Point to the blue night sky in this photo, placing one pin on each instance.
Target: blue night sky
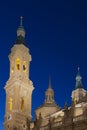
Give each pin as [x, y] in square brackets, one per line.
[56, 34]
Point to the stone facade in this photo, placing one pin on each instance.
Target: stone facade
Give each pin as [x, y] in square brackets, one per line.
[63, 120]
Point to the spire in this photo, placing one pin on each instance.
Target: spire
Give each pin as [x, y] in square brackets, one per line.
[21, 18]
[78, 71]
[20, 33]
[78, 80]
[49, 93]
[49, 86]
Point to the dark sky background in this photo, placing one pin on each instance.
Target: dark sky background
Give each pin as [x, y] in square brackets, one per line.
[56, 34]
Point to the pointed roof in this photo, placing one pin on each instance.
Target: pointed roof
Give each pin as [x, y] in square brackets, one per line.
[49, 84]
[20, 33]
[50, 91]
[49, 98]
[78, 80]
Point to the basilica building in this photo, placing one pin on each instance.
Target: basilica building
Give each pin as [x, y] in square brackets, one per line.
[48, 116]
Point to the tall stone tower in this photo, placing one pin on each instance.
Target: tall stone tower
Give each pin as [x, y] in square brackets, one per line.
[19, 87]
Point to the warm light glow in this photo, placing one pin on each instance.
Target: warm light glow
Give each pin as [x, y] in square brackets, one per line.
[75, 101]
[11, 103]
[12, 69]
[18, 64]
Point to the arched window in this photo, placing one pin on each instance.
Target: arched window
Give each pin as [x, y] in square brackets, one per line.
[12, 66]
[22, 104]
[12, 70]
[11, 103]
[24, 66]
[18, 64]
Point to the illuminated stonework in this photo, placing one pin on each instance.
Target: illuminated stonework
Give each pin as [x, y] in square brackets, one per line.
[19, 87]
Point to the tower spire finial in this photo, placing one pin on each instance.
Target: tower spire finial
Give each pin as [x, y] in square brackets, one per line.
[78, 79]
[49, 93]
[21, 32]
[78, 68]
[78, 71]
[21, 21]
[49, 82]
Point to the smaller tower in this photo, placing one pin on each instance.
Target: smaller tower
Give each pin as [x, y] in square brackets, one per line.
[49, 106]
[79, 91]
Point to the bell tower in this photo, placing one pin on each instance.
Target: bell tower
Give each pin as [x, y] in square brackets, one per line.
[19, 87]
